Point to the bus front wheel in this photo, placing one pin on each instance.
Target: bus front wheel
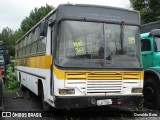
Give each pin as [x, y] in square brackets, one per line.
[151, 94]
[46, 106]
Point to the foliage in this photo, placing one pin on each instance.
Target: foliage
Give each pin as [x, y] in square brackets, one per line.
[9, 37]
[149, 9]
[11, 84]
[10, 72]
[140, 108]
[35, 16]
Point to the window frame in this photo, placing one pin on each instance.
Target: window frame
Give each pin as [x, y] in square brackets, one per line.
[146, 45]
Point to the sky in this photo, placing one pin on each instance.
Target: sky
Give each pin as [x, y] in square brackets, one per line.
[12, 12]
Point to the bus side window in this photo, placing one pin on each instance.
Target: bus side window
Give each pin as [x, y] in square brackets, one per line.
[41, 45]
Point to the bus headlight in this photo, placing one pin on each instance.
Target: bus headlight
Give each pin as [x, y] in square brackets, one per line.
[136, 90]
[66, 91]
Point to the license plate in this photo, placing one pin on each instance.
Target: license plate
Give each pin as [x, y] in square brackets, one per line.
[104, 102]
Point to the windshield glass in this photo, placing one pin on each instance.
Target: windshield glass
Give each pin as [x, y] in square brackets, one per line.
[97, 45]
[157, 44]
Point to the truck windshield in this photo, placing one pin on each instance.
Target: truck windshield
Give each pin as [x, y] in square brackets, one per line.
[157, 44]
[97, 45]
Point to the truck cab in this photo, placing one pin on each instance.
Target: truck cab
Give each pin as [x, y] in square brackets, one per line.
[4, 61]
[1, 91]
[150, 51]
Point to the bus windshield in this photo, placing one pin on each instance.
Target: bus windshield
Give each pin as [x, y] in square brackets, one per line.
[97, 45]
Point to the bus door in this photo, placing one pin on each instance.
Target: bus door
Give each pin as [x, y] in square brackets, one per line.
[52, 28]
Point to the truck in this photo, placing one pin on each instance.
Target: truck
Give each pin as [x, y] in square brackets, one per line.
[150, 51]
[1, 91]
[4, 60]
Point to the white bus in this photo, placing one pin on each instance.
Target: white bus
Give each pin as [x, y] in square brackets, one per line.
[82, 55]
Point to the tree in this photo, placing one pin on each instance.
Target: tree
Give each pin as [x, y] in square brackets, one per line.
[8, 38]
[149, 9]
[35, 16]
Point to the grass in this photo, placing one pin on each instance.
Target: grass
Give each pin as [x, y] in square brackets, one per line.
[140, 107]
[11, 86]
[11, 83]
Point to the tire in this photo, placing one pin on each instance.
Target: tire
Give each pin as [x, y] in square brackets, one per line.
[151, 94]
[45, 105]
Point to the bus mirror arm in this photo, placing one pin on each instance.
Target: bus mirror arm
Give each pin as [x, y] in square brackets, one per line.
[43, 28]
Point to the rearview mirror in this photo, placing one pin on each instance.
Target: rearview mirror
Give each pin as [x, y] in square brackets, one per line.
[43, 28]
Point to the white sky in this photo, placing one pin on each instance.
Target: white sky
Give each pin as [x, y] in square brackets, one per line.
[12, 12]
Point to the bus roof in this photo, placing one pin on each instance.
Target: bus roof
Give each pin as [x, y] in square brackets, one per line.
[90, 12]
[98, 12]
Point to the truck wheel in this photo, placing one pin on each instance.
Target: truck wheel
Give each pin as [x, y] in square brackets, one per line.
[151, 94]
[46, 106]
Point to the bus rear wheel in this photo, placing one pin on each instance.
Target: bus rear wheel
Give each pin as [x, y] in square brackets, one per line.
[151, 94]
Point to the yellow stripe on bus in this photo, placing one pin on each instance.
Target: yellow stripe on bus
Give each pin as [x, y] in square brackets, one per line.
[44, 62]
[97, 75]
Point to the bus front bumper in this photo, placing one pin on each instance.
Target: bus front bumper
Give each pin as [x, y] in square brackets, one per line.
[68, 102]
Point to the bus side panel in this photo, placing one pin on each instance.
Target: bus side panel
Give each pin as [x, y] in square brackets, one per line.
[32, 83]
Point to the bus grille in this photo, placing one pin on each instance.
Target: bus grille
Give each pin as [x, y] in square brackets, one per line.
[104, 86]
[103, 82]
